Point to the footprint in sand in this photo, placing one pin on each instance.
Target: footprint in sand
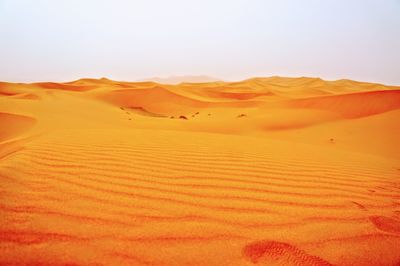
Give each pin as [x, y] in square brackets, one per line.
[269, 252]
[359, 205]
[396, 214]
[383, 223]
[386, 224]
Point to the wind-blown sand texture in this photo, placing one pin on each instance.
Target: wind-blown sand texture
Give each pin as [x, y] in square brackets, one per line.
[267, 171]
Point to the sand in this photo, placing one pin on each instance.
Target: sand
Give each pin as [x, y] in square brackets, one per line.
[266, 171]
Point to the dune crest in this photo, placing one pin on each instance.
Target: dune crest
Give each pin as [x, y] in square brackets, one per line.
[354, 105]
[183, 79]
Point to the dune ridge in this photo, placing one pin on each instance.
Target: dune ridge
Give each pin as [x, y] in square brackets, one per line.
[265, 171]
[354, 105]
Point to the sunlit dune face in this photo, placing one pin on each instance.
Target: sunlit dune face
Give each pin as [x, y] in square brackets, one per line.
[354, 105]
[266, 171]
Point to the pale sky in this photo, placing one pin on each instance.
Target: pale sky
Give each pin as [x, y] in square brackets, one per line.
[63, 40]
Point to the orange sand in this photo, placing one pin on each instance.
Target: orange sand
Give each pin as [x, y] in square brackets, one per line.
[272, 171]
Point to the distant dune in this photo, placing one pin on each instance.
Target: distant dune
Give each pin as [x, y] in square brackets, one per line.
[181, 79]
[197, 171]
[354, 105]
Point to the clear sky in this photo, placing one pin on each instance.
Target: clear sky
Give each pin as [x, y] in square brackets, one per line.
[61, 40]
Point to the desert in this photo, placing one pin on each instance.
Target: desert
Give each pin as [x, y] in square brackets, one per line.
[266, 171]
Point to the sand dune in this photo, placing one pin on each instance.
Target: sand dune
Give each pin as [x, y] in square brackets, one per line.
[156, 99]
[58, 86]
[181, 79]
[13, 124]
[266, 171]
[354, 105]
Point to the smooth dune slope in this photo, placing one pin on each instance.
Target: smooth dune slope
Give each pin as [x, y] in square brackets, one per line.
[266, 171]
[354, 105]
[13, 124]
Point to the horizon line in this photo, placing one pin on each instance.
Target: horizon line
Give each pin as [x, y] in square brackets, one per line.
[214, 79]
